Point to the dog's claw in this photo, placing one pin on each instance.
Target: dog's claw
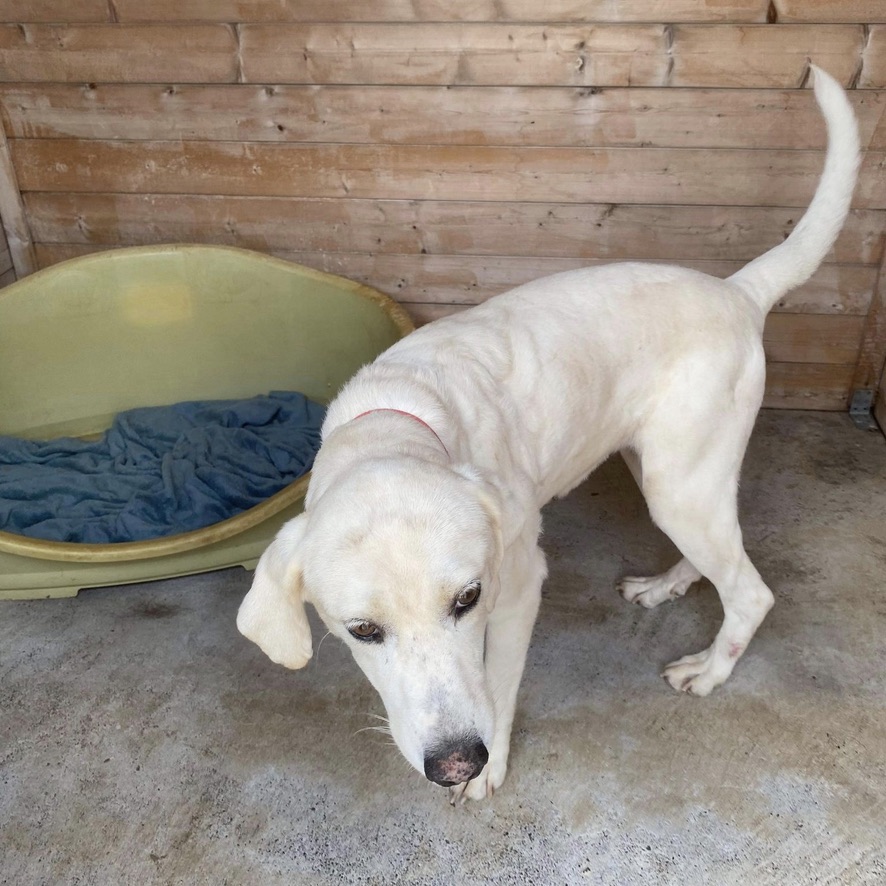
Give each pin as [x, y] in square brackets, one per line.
[482, 787]
[697, 674]
[656, 589]
[458, 798]
[457, 795]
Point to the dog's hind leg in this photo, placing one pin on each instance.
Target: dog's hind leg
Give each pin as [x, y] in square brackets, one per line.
[746, 599]
[670, 585]
[691, 486]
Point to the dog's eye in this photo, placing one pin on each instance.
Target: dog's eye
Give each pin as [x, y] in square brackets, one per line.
[467, 598]
[365, 631]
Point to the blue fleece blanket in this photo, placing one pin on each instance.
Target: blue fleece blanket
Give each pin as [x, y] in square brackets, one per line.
[158, 470]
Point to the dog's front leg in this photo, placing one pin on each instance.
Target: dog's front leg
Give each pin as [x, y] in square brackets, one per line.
[507, 639]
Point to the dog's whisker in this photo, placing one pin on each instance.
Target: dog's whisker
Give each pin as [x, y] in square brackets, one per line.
[382, 729]
[320, 644]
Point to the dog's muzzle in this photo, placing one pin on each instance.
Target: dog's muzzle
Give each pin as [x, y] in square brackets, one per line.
[456, 761]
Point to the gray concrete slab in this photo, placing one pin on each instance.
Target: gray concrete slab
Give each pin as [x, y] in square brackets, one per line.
[143, 741]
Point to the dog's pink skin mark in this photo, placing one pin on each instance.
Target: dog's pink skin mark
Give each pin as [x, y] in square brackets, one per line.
[735, 649]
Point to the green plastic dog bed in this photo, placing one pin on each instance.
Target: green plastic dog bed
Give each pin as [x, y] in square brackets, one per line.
[88, 338]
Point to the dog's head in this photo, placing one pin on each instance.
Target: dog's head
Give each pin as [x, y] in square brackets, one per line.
[400, 558]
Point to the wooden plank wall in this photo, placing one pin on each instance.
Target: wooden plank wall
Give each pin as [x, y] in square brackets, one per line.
[444, 152]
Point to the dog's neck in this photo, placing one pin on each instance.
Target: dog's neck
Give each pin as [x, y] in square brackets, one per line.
[368, 420]
[408, 415]
[386, 386]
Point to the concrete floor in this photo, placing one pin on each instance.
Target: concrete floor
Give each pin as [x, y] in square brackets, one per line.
[143, 741]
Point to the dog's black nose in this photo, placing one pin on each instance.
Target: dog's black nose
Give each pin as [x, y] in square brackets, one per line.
[456, 761]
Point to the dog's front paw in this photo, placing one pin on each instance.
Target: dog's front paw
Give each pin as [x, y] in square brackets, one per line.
[483, 786]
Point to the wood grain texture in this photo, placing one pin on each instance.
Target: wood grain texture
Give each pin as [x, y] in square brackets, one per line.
[812, 338]
[522, 116]
[807, 386]
[615, 175]
[460, 279]
[456, 54]
[54, 11]
[126, 53]
[763, 55]
[586, 232]
[833, 11]
[442, 10]
[550, 55]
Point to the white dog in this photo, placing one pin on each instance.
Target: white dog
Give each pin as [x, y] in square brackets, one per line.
[418, 544]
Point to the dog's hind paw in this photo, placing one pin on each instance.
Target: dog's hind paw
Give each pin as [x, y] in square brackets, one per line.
[649, 592]
[482, 787]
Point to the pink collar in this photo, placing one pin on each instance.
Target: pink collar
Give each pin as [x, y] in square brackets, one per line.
[408, 415]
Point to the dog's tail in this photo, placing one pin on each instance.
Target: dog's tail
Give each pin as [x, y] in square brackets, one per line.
[769, 277]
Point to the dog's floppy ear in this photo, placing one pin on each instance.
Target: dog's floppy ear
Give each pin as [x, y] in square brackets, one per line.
[273, 614]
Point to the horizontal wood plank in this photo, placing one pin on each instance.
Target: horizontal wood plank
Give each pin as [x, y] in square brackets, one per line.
[127, 53]
[550, 55]
[807, 386]
[456, 54]
[834, 289]
[615, 175]
[462, 279]
[737, 11]
[588, 232]
[523, 116]
[440, 53]
[812, 338]
[54, 11]
[440, 11]
[831, 11]
[763, 55]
